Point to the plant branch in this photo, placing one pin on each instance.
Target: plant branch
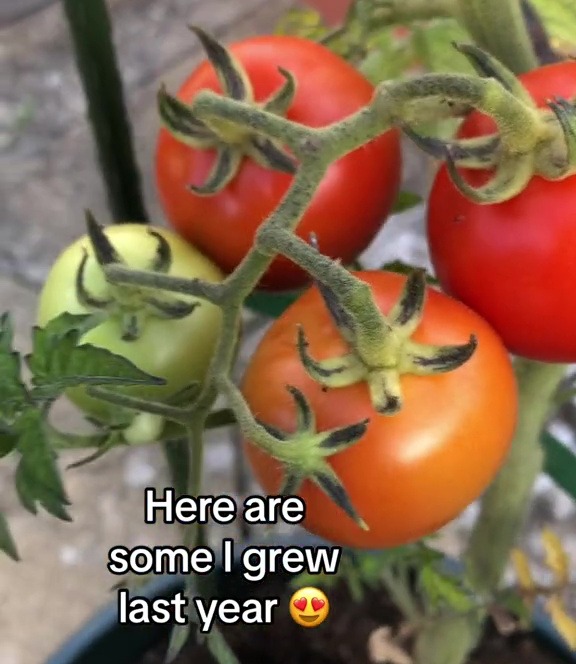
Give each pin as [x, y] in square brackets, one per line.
[174, 413]
[119, 274]
[506, 501]
[503, 510]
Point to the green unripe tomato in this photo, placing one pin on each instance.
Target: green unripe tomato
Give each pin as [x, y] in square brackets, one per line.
[175, 349]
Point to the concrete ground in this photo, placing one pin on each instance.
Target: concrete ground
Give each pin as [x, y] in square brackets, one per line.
[49, 177]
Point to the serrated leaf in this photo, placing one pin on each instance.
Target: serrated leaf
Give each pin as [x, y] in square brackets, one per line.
[13, 394]
[559, 17]
[8, 440]
[38, 479]
[562, 621]
[61, 325]
[556, 558]
[522, 569]
[58, 363]
[444, 590]
[7, 543]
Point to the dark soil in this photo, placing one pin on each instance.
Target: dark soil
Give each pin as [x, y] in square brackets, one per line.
[342, 639]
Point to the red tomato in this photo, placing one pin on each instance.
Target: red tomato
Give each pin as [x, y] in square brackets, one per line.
[514, 262]
[353, 199]
[412, 472]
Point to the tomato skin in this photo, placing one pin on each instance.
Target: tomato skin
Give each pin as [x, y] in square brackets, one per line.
[410, 473]
[350, 205]
[177, 350]
[514, 262]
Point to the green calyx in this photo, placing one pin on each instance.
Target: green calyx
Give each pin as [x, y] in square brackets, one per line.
[381, 348]
[302, 453]
[132, 304]
[231, 142]
[529, 141]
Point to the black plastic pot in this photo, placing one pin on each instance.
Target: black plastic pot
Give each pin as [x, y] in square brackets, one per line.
[102, 640]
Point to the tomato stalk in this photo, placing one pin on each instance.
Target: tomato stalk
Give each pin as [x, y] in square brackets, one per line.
[505, 502]
[502, 514]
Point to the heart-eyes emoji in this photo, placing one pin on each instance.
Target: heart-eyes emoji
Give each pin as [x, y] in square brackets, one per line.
[309, 607]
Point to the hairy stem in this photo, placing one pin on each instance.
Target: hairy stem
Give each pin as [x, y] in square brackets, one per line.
[506, 501]
[503, 511]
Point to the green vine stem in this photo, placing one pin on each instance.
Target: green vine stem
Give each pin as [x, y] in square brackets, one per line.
[499, 27]
[90, 29]
[506, 501]
[502, 514]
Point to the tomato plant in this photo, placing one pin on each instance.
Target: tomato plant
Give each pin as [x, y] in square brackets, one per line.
[513, 262]
[410, 473]
[177, 350]
[353, 199]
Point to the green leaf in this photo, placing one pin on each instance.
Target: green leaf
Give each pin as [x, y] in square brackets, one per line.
[444, 590]
[512, 601]
[8, 440]
[405, 201]
[60, 326]
[560, 464]
[13, 394]
[7, 543]
[433, 45]
[38, 479]
[559, 17]
[58, 362]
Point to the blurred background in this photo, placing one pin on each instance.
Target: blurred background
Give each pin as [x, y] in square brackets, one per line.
[50, 176]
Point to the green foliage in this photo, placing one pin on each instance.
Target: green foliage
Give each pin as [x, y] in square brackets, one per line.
[444, 590]
[37, 476]
[57, 361]
[383, 52]
[559, 17]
